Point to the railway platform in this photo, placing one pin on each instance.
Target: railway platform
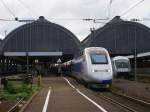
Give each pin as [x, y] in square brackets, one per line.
[66, 95]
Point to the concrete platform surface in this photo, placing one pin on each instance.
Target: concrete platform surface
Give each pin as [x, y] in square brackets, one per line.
[66, 98]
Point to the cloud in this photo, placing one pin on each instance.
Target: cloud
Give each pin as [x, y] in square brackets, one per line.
[59, 11]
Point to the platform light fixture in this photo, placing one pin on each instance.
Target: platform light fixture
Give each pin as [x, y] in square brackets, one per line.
[36, 61]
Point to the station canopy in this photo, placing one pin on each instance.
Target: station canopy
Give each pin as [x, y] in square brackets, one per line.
[40, 38]
[121, 37]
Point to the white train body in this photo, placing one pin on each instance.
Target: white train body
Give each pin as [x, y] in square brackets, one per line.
[121, 65]
[93, 66]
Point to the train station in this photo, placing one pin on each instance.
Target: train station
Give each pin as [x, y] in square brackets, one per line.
[39, 42]
[45, 66]
[128, 38]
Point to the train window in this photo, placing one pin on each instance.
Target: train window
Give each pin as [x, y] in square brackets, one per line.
[99, 59]
[122, 63]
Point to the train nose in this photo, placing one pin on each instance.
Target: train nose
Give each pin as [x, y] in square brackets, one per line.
[100, 76]
[101, 71]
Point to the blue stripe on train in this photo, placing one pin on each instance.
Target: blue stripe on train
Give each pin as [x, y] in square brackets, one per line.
[76, 67]
[106, 81]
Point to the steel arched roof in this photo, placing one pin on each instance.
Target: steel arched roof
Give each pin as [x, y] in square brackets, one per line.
[121, 37]
[41, 36]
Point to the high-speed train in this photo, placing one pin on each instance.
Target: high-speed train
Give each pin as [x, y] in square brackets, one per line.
[93, 66]
[121, 66]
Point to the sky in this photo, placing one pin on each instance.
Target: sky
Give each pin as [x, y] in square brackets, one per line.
[70, 13]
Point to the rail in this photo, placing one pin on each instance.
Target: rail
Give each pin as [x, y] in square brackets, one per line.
[15, 107]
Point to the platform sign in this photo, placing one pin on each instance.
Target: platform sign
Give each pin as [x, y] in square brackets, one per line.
[59, 60]
[33, 53]
[45, 53]
[14, 53]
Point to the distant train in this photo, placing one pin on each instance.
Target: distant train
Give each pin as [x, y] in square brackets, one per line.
[93, 67]
[121, 66]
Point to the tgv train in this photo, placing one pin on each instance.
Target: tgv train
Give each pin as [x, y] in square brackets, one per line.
[121, 66]
[93, 66]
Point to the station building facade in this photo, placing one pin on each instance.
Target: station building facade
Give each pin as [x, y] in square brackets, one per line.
[47, 42]
[42, 41]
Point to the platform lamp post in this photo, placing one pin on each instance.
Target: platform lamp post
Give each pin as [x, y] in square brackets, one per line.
[92, 31]
[27, 55]
[27, 49]
[135, 64]
[135, 57]
[59, 67]
[135, 51]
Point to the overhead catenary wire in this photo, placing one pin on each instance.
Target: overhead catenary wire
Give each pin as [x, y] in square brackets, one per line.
[103, 21]
[128, 10]
[146, 19]
[65, 19]
[27, 7]
[7, 19]
[80, 19]
[72, 19]
[9, 10]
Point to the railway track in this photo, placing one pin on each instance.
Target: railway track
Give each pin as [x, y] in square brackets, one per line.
[127, 104]
[132, 99]
[15, 108]
[117, 103]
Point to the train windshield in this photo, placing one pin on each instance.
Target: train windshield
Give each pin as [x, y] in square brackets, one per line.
[122, 63]
[99, 59]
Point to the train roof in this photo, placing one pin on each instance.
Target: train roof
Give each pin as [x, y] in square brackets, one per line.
[101, 48]
[146, 54]
[120, 57]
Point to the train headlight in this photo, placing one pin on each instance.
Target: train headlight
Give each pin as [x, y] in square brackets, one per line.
[108, 70]
[105, 70]
[93, 70]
